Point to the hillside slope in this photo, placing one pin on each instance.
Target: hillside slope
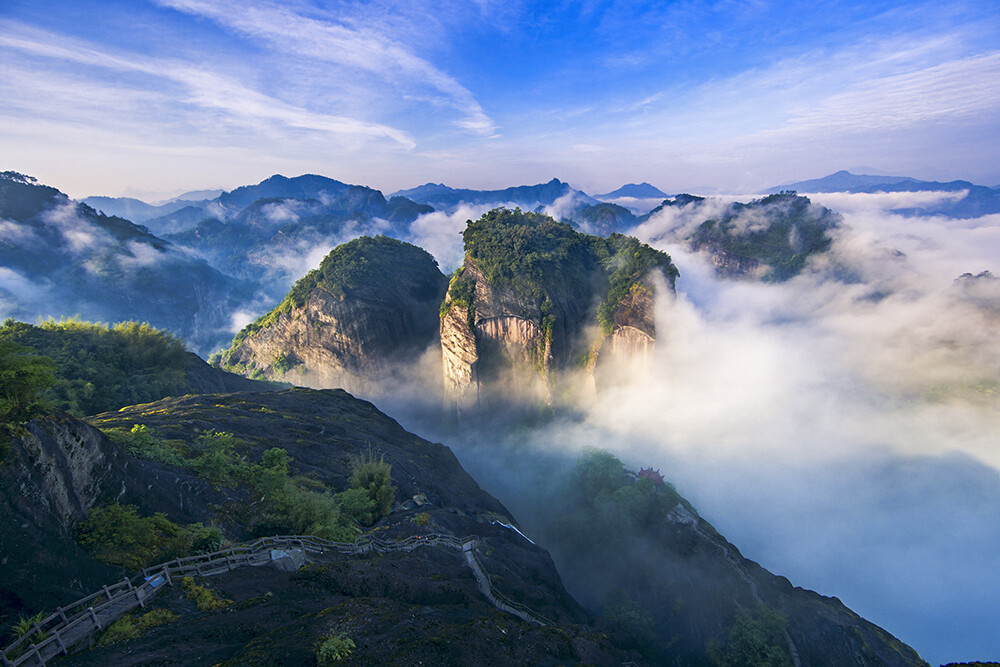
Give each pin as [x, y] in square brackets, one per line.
[59, 258]
[398, 609]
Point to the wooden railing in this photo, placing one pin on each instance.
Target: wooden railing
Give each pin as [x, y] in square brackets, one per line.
[70, 625]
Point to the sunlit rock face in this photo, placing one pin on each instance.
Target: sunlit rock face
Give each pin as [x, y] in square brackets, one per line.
[348, 331]
[628, 351]
[512, 333]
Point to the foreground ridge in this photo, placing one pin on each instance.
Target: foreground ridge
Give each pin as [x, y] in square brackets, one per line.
[72, 624]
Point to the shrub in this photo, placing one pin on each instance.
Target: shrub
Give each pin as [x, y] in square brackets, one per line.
[117, 535]
[357, 506]
[25, 624]
[131, 626]
[756, 639]
[218, 461]
[204, 598]
[288, 508]
[374, 475]
[333, 649]
[142, 443]
[98, 368]
[23, 376]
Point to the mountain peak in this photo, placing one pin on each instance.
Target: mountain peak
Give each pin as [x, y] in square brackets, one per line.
[635, 190]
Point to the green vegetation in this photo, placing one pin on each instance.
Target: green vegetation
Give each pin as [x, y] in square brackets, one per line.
[204, 598]
[530, 252]
[334, 649]
[132, 626]
[285, 362]
[117, 535]
[366, 265]
[141, 443]
[780, 231]
[549, 262]
[289, 508]
[461, 291]
[23, 377]
[627, 261]
[374, 477]
[607, 521]
[99, 368]
[217, 460]
[756, 639]
[25, 624]
[286, 505]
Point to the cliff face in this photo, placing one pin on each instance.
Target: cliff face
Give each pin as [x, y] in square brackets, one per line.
[628, 350]
[536, 300]
[371, 308]
[55, 472]
[423, 606]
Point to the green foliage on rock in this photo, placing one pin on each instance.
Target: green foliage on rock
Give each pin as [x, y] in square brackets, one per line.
[333, 649]
[118, 535]
[132, 626]
[549, 262]
[374, 477]
[780, 231]
[530, 252]
[627, 262]
[141, 443]
[364, 266]
[285, 362]
[24, 376]
[98, 368]
[288, 508]
[204, 598]
[756, 639]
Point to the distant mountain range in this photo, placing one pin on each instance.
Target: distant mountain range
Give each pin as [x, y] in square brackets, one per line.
[59, 257]
[440, 196]
[978, 200]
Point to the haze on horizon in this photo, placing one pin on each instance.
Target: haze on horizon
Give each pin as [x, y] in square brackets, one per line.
[157, 97]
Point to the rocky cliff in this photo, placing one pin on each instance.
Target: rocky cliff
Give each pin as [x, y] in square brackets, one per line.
[369, 310]
[630, 545]
[768, 239]
[535, 300]
[401, 608]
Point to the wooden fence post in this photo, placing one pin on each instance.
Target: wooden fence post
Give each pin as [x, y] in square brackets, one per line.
[94, 618]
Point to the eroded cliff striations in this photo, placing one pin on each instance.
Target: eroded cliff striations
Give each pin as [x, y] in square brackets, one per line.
[367, 311]
[536, 301]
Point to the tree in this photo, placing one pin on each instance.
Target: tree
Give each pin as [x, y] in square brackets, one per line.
[374, 476]
[756, 639]
[23, 375]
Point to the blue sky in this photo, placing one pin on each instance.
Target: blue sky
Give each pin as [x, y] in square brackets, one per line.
[155, 97]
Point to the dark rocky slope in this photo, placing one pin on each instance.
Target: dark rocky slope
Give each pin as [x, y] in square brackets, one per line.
[398, 609]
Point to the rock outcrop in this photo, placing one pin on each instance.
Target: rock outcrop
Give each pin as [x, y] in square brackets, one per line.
[56, 470]
[399, 608]
[369, 310]
[536, 300]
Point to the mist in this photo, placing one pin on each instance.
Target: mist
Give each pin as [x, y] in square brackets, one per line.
[839, 428]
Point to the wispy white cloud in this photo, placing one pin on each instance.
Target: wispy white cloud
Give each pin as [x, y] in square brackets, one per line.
[200, 87]
[352, 44]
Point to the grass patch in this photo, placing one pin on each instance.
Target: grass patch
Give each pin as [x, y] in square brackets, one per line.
[132, 626]
[204, 598]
